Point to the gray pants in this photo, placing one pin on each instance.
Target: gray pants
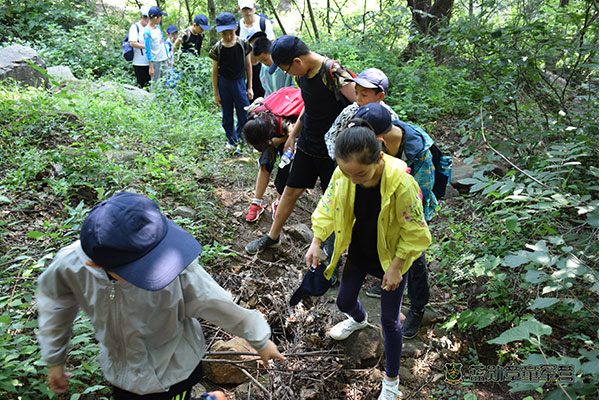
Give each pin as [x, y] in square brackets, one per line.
[160, 70]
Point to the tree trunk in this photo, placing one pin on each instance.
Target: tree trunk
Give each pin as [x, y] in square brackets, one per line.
[189, 11]
[563, 3]
[312, 20]
[427, 19]
[328, 22]
[212, 15]
[276, 16]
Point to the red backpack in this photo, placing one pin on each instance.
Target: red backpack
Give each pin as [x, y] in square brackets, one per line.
[286, 102]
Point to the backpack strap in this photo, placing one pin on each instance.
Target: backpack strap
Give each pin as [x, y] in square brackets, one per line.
[263, 24]
[138, 36]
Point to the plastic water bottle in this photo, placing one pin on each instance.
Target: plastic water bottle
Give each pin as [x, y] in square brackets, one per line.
[286, 158]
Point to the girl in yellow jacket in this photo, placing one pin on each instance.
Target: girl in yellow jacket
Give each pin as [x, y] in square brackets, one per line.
[374, 207]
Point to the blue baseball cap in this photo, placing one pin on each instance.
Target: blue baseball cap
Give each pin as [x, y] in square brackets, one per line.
[255, 35]
[172, 29]
[314, 283]
[202, 21]
[377, 116]
[155, 12]
[284, 50]
[371, 78]
[128, 235]
[226, 21]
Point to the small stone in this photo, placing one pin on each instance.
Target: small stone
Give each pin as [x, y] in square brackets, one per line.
[434, 266]
[300, 232]
[198, 390]
[430, 317]
[405, 375]
[238, 214]
[184, 212]
[413, 348]
[223, 373]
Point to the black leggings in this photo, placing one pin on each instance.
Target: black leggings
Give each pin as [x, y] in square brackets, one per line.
[179, 391]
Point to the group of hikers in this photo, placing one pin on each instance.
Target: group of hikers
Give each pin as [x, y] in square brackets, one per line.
[137, 275]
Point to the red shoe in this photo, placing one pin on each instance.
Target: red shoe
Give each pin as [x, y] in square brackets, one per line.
[274, 207]
[254, 213]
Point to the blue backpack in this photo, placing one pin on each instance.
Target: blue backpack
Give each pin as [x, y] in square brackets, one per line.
[127, 49]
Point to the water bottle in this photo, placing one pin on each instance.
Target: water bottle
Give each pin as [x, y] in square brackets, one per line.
[286, 158]
[218, 395]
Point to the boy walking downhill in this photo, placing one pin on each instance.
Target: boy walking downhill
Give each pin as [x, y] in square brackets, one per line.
[136, 274]
[271, 82]
[411, 144]
[251, 22]
[320, 88]
[136, 40]
[231, 58]
[371, 87]
[156, 47]
[191, 38]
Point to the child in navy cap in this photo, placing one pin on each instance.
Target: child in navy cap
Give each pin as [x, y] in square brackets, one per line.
[323, 85]
[191, 38]
[136, 274]
[371, 87]
[231, 59]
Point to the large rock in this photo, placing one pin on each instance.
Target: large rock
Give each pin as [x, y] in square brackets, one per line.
[363, 349]
[224, 373]
[460, 171]
[61, 73]
[13, 64]
[130, 92]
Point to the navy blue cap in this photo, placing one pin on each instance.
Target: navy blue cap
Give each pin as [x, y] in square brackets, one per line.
[128, 235]
[377, 116]
[284, 50]
[202, 21]
[255, 35]
[155, 12]
[371, 78]
[314, 283]
[172, 29]
[226, 21]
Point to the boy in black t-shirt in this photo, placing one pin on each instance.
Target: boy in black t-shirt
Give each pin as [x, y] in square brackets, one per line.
[231, 57]
[320, 86]
[191, 38]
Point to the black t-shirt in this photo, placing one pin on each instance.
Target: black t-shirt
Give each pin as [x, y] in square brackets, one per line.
[367, 206]
[232, 63]
[321, 108]
[191, 43]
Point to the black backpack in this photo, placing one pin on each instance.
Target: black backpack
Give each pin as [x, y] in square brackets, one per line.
[443, 171]
[262, 23]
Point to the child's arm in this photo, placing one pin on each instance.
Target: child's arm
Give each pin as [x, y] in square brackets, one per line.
[148, 42]
[289, 143]
[348, 92]
[249, 75]
[215, 82]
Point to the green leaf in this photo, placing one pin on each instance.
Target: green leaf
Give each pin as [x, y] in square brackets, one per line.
[470, 396]
[527, 329]
[34, 234]
[515, 260]
[511, 222]
[4, 199]
[543, 302]
[535, 276]
[4, 319]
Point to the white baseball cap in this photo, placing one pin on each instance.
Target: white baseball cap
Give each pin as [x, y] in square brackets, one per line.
[246, 4]
[144, 11]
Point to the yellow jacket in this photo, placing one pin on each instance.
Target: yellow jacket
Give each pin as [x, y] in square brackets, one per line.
[401, 227]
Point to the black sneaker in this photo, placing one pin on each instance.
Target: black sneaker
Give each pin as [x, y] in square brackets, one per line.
[375, 291]
[411, 325]
[260, 245]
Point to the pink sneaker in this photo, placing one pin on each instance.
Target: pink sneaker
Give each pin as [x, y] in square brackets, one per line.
[254, 213]
[274, 207]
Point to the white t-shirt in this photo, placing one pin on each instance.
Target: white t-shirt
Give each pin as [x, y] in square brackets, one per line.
[245, 30]
[139, 55]
[158, 46]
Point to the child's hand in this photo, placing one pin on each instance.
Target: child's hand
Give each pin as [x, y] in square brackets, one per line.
[312, 254]
[218, 100]
[250, 94]
[270, 353]
[391, 279]
[151, 70]
[58, 379]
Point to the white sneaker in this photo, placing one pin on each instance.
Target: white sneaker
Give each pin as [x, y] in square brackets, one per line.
[345, 328]
[229, 147]
[389, 392]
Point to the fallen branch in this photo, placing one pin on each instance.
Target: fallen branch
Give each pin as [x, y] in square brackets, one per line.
[257, 383]
[502, 155]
